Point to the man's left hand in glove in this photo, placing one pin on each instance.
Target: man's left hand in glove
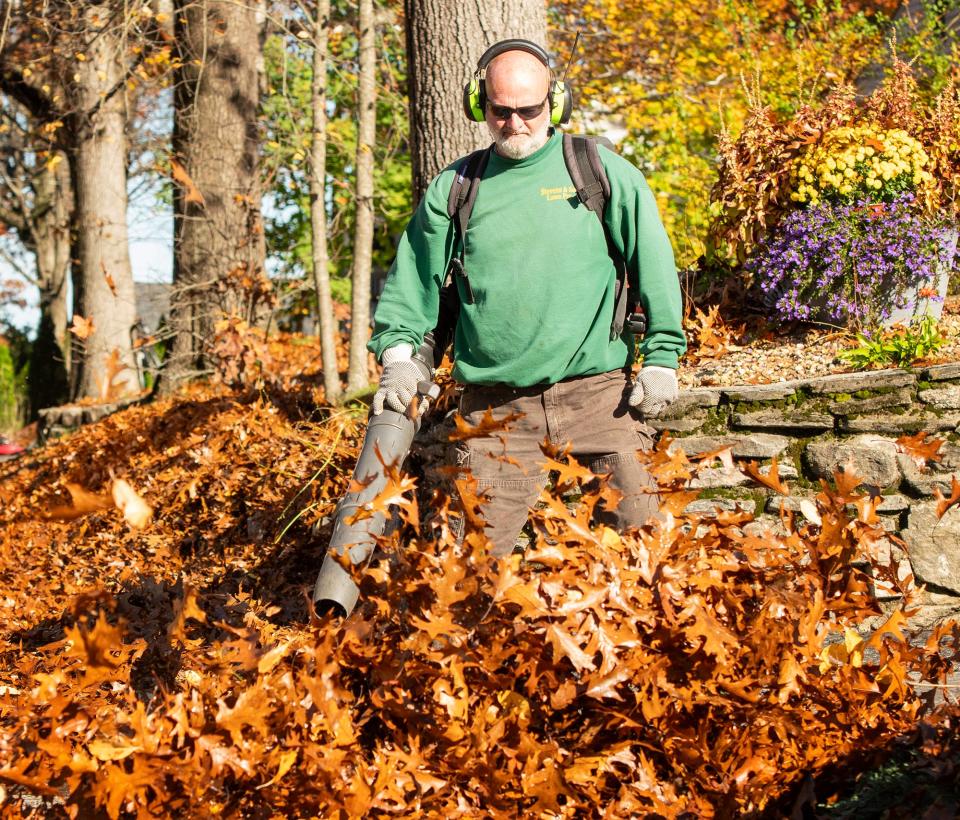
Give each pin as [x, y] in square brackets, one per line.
[654, 391]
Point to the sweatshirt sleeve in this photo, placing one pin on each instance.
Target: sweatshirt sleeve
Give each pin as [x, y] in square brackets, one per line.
[410, 301]
[635, 227]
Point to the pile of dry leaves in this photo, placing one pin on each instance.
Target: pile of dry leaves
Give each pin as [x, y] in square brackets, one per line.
[166, 663]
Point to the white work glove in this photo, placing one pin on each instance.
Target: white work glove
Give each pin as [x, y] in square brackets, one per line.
[654, 391]
[398, 382]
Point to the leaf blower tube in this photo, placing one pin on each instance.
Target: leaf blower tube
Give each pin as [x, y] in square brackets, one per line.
[387, 441]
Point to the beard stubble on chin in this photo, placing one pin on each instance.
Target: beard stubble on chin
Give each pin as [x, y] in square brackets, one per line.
[518, 146]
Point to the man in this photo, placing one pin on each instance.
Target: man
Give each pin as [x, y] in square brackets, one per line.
[534, 337]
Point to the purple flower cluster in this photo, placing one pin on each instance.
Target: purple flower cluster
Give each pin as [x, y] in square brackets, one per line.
[847, 264]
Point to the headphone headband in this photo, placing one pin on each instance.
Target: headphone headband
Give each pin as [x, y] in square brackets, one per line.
[516, 44]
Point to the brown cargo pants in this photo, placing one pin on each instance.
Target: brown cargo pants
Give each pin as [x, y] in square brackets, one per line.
[591, 412]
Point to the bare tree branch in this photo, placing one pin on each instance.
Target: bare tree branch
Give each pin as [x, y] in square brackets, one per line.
[19, 218]
[13, 82]
[17, 266]
[5, 26]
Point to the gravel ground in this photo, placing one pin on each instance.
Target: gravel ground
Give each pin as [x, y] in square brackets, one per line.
[800, 352]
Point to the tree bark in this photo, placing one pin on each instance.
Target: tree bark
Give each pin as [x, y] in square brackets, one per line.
[318, 205]
[439, 64]
[36, 202]
[357, 376]
[98, 164]
[218, 231]
[51, 243]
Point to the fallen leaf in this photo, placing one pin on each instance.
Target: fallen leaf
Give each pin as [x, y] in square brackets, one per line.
[136, 511]
[486, 427]
[770, 479]
[82, 328]
[105, 750]
[83, 503]
[192, 193]
[919, 449]
[109, 278]
[944, 504]
[566, 646]
[287, 759]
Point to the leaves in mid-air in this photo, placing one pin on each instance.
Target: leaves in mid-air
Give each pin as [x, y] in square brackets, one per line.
[168, 665]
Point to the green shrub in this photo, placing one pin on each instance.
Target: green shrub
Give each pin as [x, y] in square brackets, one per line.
[9, 405]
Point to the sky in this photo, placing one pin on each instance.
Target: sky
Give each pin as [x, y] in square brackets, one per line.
[150, 224]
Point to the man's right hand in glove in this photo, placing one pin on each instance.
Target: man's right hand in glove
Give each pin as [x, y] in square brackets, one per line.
[398, 382]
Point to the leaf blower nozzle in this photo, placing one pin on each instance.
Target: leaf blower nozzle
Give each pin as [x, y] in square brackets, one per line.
[388, 439]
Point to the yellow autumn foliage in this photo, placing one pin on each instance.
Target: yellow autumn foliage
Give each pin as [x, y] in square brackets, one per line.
[669, 76]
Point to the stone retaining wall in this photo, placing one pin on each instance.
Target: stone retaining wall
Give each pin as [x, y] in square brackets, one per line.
[57, 421]
[816, 425]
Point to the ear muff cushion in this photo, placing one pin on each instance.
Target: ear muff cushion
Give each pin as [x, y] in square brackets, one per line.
[473, 102]
[561, 103]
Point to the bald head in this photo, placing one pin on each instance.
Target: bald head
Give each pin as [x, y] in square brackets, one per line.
[516, 73]
[517, 80]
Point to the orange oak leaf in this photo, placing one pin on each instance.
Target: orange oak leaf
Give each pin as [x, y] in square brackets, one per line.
[945, 503]
[724, 454]
[486, 427]
[570, 472]
[471, 501]
[566, 646]
[248, 711]
[183, 608]
[82, 328]
[109, 278]
[98, 646]
[285, 763]
[847, 480]
[192, 194]
[919, 449]
[717, 640]
[771, 479]
[110, 388]
[83, 503]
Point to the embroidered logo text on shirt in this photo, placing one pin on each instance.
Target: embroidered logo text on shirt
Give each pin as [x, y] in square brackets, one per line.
[563, 192]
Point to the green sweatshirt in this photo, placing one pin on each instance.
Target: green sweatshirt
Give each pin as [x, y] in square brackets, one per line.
[542, 279]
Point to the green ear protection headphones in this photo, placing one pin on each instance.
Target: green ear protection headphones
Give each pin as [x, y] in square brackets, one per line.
[475, 92]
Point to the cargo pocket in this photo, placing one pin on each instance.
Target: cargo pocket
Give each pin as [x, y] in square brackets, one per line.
[646, 435]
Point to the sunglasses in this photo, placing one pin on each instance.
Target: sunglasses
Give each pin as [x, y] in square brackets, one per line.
[524, 112]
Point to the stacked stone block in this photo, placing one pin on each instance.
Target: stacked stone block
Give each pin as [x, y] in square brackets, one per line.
[847, 421]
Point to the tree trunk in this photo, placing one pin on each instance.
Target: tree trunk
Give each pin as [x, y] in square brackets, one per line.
[318, 205]
[37, 204]
[218, 231]
[440, 64]
[357, 376]
[99, 172]
[50, 235]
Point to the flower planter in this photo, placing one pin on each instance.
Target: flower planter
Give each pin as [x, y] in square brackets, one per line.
[918, 300]
[861, 267]
[918, 305]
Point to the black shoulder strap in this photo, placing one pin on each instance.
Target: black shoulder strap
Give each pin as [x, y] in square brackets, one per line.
[586, 171]
[593, 188]
[463, 191]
